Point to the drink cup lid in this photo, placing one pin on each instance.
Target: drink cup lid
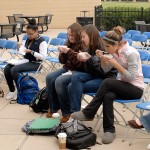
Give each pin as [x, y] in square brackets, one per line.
[62, 135]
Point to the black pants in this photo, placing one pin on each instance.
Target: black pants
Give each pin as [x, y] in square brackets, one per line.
[11, 72]
[109, 90]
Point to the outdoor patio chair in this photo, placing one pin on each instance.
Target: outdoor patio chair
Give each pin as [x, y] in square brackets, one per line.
[126, 36]
[62, 35]
[18, 31]
[137, 24]
[48, 19]
[148, 39]
[2, 45]
[144, 55]
[132, 32]
[102, 33]
[7, 31]
[42, 22]
[139, 41]
[52, 49]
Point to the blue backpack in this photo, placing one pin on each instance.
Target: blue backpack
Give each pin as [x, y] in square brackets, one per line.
[27, 89]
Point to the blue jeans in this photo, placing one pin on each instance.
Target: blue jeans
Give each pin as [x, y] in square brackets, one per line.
[57, 87]
[145, 120]
[81, 83]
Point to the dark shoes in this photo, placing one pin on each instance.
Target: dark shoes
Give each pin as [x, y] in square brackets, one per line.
[65, 118]
[133, 124]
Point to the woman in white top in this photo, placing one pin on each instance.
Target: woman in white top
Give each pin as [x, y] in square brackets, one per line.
[34, 49]
[128, 85]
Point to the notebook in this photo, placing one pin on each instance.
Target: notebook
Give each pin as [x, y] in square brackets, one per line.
[17, 61]
[44, 123]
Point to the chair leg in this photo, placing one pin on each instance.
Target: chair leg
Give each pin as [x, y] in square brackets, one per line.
[98, 119]
[130, 142]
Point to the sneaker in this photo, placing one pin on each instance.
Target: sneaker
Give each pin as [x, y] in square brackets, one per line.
[108, 137]
[80, 116]
[65, 118]
[11, 96]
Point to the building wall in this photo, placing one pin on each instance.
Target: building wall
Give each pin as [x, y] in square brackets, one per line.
[64, 11]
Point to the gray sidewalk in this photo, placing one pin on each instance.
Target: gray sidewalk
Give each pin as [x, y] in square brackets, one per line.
[14, 116]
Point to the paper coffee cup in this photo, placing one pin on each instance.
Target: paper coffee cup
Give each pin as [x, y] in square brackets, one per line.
[62, 141]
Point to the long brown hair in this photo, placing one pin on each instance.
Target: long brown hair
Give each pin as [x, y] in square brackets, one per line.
[95, 39]
[75, 29]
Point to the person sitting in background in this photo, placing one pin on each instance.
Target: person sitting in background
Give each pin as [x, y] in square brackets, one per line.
[56, 79]
[128, 85]
[35, 50]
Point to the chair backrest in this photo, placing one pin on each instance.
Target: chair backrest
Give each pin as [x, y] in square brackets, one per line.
[132, 32]
[126, 36]
[2, 43]
[55, 41]
[143, 55]
[147, 34]
[146, 70]
[63, 41]
[102, 33]
[42, 20]
[17, 17]
[62, 35]
[47, 38]
[11, 19]
[139, 38]
[11, 45]
[8, 31]
[48, 18]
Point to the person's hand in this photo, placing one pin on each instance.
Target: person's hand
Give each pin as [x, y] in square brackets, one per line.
[27, 51]
[63, 49]
[83, 56]
[99, 53]
[112, 61]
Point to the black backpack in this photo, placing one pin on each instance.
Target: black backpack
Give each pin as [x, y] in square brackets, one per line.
[40, 102]
[78, 135]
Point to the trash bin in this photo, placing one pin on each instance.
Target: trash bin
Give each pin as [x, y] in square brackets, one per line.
[84, 20]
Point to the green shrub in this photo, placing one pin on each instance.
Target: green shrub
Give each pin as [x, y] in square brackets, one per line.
[123, 16]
